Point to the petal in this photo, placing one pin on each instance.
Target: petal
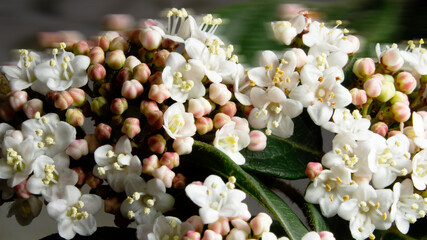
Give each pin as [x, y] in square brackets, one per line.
[123, 145]
[175, 60]
[196, 49]
[197, 194]
[320, 113]
[259, 76]
[208, 215]
[268, 57]
[85, 227]
[66, 229]
[92, 203]
[57, 209]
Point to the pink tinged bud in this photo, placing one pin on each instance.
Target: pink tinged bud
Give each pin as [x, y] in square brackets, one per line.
[116, 59]
[204, 125]
[170, 160]
[21, 190]
[211, 235]
[325, 235]
[220, 119]
[97, 55]
[119, 43]
[81, 175]
[81, 48]
[150, 39]
[241, 225]
[242, 124]
[75, 117]
[150, 164]
[97, 72]
[17, 99]
[132, 89]
[125, 74]
[221, 226]
[364, 67]
[78, 95]
[179, 183]
[131, 127]
[219, 93]
[158, 93]
[199, 107]
[164, 174]
[32, 107]
[155, 119]
[77, 149]
[400, 112]
[261, 223]
[118, 105]
[355, 41]
[169, 44]
[392, 60]
[103, 132]
[258, 141]
[237, 234]
[131, 62]
[141, 72]
[393, 133]
[229, 108]
[104, 43]
[50, 96]
[196, 221]
[192, 235]
[99, 105]
[388, 90]
[6, 112]
[160, 57]
[380, 128]
[156, 78]
[92, 142]
[157, 143]
[112, 205]
[399, 97]
[359, 96]
[183, 146]
[313, 169]
[148, 106]
[373, 85]
[405, 82]
[301, 57]
[63, 100]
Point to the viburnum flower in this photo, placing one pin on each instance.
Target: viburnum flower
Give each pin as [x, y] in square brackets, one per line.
[114, 164]
[415, 59]
[22, 76]
[179, 27]
[183, 79]
[286, 31]
[59, 74]
[178, 123]
[215, 199]
[74, 213]
[273, 110]
[419, 173]
[230, 141]
[321, 92]
[420, 130]
[349, 123]
[367, 210]
[169, 228]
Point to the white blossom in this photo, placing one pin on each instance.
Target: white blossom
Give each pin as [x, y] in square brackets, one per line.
[169, 228]
[22, 75]
[230, 140]
[419, 173]
[177, 122]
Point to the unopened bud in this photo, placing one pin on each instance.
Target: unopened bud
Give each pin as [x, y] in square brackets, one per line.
[359, 96]
[242, 124]
[313, 169]
[118, 105]
[388, 90]
[192, 235]
[63, 100]
[74, 117]
[116, 59]
[169, 44]
[131, 62]
[132, 89]
[170, 160]
[196, 221]
[325, 235]
[373, 85]
[97, 55]
[179, 183]
[148, 106]
[160, 57]
[400, 112]
[164, 174]
[80, 175]
[392, 60]
[81, 48]
[158, 93]
[17, 99]
[237, 234]
[261, 223]
[78, 95]
[220, 119]
[92, 142]
[204, 125]
[99, 105]
[131, 127]
[150, 39]
[221, 226]
[199, 107]
[211, 235]
[119, 43]
[112, 205]
[229, 108]
[400, 97]
[97, 72]
[301, 57]
[155, 119]
[103, 132]
[355, 41]
[183, 146]
[21, 190]
[157, 143]
[364, 67]
[156, 78]
[104, 43]
[380, 128]
[219, 93]
[77, 149]
[393, 133]
[141, 72]
[258, 141]
[150, 164]
[32, 107]
[405, 82]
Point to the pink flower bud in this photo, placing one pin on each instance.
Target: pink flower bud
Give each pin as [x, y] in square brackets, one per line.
[131, 62]
[50, 96]
[150, 39]
[242, 124]
[103, 132]
[80, 175]
[192, 235]
[81, 48]
[119, 43]
[183, 146]
[400, 112]
[92, 142]
[301, 57]
[132, 89]
[160, 57]
[99, 105]
[359, 96]
[199, 107]
[399, 97]
[228, 108]
[75, 117]
[155, 119]
[112, 205]
[392, 60]
[21, 190]
[170, 160]
[241, 225]
[141, 72]
[373, 85]
[125, 74]
[6, 112]
[179, 183]
[118, 22]
[104, 43]
[158, 93]
[393, 133]
[211, 235]
[364, 67]
[220, 119]
[355, 41]
[204, 125]
[32, 107]
[380, 128]
[78, 95]
[196, 221]
[219, 93]
[388, 90]
[258, 141]
[165, 175]
[63, 100]
[131, 127]
[17, 99]
[150, 164]
[116, 59]
[313, 169]
[156, 78]
[261, 223]
[237, 234]
[97, 55]
[405, 82]
[118, 105]
[148, 106]
[169, 44]
[325, 235]
[221, 226]
[157, 143]
[97, 72]
[77, 149]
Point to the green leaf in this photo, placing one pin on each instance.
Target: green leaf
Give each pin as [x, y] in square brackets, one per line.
[316, 218]
[288, 158]
[208, 156]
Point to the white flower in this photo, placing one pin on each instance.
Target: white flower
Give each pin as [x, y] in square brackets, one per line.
[215, 199]
[116, 163]
[22, 76]
[330, 189]
[59, 74]
[169, 228]
[25, 210]
[183, 80]
[286, 31]
[420, 130]
[241, 86]
[273, 111]
[145, 223]
[231, 140]
[144, 197]
[272, 236]
[416, 59]
[407, 207]
[367, 210]
[178, 123]
[349, 123]
[180, 25]
[419, 173]
[74, 213]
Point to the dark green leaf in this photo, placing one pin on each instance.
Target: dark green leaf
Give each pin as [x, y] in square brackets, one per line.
[208, 156]
[316, 218]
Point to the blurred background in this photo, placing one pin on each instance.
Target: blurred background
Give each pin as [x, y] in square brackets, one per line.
[21, 21]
